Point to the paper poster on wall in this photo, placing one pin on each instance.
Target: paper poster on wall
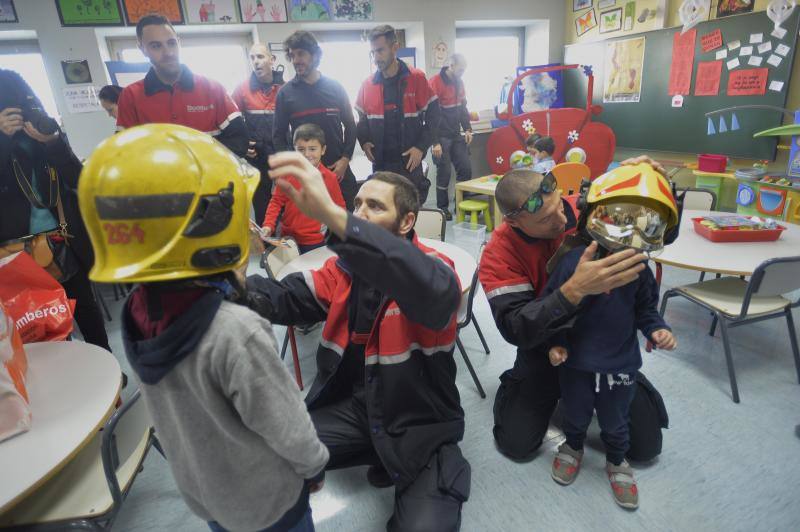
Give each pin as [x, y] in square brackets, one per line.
[627, 18]
[750, 82]
[711, 41]
[211, 11]
[136, 9]
[89, 13]
[309, 10]
[680, 73]
[7, 11]
[707, 81]
[263, 11]
[348, 10]
[611, 20]
[624, 62]
[440, 54]
[726, 8]
[578, 5]
[585, 22]
[76, 72]
[82, 99]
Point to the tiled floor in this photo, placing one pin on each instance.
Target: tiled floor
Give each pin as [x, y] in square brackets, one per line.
[724, 466]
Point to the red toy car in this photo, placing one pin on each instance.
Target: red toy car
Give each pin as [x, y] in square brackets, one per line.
[569, 127]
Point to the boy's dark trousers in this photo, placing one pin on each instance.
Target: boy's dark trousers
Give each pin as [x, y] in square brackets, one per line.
[582, 392]
[454, 150]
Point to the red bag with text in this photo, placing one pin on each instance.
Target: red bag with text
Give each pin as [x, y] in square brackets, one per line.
[15, 414]
[35, 300]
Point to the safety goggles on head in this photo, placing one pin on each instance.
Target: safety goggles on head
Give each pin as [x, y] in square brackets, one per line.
[618, 226]
[535, 200]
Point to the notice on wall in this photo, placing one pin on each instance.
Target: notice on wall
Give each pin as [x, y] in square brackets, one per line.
[711, 41]
[680, 73]
[707, 81]
[82, 99]
[624, 64]
[750, 82]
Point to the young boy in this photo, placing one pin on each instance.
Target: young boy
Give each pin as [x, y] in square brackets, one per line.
[530, 142]
[309, 140]
[232, 423]
[543, 150]
[599, 356]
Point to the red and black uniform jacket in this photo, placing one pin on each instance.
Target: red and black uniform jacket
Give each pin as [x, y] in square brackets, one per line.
[256, 101]
[420, 112]
[513, 273]
[453, 103]
[413, 405]
[324, 103]
[194, 101]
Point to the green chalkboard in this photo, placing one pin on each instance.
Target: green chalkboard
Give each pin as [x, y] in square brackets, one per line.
[653, 124]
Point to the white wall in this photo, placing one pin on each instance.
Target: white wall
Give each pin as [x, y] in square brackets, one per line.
[427, 21]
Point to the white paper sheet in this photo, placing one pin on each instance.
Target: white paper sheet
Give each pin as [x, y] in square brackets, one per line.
[746, 50]
[722, 54]
[776, 86]
[774, 60]
[782, 50]
[765, 47]
[734, 45]
[733, 63]
[756, 38]
[755, 60]
[779, 33]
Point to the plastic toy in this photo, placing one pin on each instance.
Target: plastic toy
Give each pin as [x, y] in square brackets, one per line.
[521, 159]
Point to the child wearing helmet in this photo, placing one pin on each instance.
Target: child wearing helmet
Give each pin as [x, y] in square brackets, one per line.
[599, 356]
[167, 207]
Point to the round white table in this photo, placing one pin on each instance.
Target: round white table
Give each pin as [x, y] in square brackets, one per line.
[464, 263]
[73, 387]
[693, 252]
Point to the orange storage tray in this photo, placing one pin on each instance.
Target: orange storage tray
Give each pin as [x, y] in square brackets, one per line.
[736, 235]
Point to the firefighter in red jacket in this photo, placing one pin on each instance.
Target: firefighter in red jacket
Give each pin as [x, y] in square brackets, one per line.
[398, 113]
[171, 94]
[256, 99]
[451, 147]
[385, 392]
[513, 272]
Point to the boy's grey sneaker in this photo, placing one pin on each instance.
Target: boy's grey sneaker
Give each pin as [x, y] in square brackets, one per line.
[623, 485]
[566, 464]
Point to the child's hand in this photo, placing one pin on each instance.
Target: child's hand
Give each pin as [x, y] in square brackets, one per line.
[558, 355]
[664, 339]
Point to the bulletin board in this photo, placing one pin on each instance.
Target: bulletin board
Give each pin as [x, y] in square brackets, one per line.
[653, 123]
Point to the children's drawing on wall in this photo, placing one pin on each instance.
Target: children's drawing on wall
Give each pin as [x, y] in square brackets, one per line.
[726, 8]
[440, 54]
[136, 9]
[308, 10]
[263, 11]
[624, 64]
[538, 91]
[211, 12]
[611, 20]
[352, 9]
[578, 5]
[585, 22]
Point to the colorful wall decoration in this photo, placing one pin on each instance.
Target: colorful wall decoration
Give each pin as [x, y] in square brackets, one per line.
[309, 10]
[348, 10]
[136, 9]
[726, 8]
[263, 11]
[89, 13]
[210, 11]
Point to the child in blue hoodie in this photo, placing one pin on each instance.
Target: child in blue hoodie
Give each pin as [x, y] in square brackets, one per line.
[599, 356]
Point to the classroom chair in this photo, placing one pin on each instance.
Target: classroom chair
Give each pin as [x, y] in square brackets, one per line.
[272, 261]
[699, 199]
[430, 223]
[569, 177]
[735, 302]
[474, 207]
[464, 318]
[89, 491]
